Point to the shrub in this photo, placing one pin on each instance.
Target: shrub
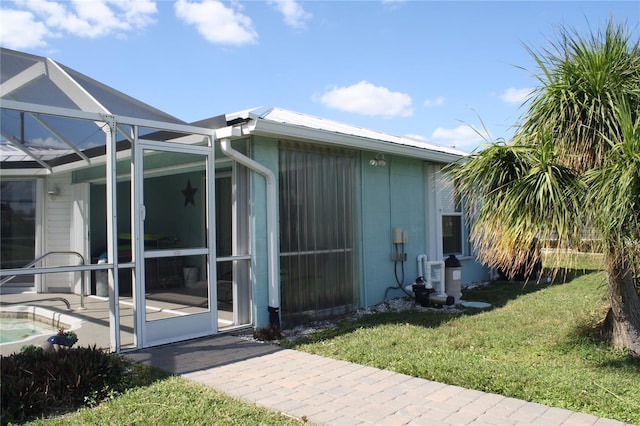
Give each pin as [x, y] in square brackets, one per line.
[38, 383]
[268, 334]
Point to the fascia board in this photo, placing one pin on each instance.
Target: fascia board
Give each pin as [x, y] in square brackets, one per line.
[24, 172]
[266, 128]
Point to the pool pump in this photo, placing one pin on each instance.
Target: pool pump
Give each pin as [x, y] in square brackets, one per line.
[421, 292]
[426, 296]
[424, 291]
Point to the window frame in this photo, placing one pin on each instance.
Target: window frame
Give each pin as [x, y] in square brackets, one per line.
[454, 226]
[37, 283]
[451, 208]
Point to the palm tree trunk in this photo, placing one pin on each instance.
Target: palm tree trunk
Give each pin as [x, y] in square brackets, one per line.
[625, 303]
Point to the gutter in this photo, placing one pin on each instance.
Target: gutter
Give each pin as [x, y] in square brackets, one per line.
[272, 218]
[258, 125]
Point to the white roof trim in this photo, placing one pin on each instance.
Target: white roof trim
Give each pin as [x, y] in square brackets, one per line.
[284, 123]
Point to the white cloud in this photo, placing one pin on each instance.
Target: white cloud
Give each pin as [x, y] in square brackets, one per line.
[48, 142]
[12, 34]
[463, 137]
[139, 13]
[218, 23]
[516, 96]
[293, 13]
[47, 19]
[367, 99]
[434, 102]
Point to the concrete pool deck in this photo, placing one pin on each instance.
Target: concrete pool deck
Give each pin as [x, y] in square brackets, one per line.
[90, 324]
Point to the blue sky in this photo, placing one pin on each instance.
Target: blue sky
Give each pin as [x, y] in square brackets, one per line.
[426, 69]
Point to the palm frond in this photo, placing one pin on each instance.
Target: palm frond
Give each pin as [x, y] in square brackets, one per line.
[581, 79]
[614, 187]
[574, 162]
[516, 195]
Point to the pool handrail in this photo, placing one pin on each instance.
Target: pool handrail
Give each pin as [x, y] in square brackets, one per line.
[33, 262]
[61, 299]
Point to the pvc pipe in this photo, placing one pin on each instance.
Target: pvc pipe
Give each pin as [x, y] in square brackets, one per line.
[421, 259]
[424, 271]
[272, 223]
[439, 296]
[430, 265]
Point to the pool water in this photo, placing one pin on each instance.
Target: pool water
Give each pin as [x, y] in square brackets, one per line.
[16, 329]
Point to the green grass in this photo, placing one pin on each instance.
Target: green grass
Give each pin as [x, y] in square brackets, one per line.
[572, 264]
[172, 401]
[539, 343]
[151, 396]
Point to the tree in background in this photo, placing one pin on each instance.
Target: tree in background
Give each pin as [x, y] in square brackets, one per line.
[573, 165]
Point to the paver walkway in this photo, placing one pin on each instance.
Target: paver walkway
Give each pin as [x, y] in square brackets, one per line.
[330, 392]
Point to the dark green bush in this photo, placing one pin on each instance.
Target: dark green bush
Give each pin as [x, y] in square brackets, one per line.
[36, 383]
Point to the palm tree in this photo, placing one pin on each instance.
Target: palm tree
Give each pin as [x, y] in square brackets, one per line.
[573, 164]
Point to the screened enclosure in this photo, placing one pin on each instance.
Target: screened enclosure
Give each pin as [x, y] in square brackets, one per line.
[105, 196]
[251, 215]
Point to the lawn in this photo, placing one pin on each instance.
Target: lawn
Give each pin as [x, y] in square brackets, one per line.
[539, 343]
[172, 401]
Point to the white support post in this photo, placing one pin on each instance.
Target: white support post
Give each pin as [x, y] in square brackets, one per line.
[137, 239]
[112, 232]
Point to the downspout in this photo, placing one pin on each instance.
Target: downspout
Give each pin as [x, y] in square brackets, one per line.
[272, 226]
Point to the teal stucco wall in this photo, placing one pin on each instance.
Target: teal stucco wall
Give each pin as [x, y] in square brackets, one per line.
[391, 197]
[265, 151]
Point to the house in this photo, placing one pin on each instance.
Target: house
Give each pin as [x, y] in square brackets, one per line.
[246, 219]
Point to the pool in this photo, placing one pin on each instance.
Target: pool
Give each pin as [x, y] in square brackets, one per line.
[16, 329]
[22, 324]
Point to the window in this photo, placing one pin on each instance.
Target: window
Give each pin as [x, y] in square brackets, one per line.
[317, 225]
[18, 217]
[451, 234]
[452, 223]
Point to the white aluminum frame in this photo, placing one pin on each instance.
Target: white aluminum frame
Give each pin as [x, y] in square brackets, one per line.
[161, 331]
[114, 125]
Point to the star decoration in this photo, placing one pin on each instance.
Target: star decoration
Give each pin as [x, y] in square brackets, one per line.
[188, 193]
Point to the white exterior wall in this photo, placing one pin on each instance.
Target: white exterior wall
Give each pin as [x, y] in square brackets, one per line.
[57, 234]
[79, 235]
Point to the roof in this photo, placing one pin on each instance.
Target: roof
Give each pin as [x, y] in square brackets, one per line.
[36, 79]
[279, 122]
[41, 101]
[29, 139]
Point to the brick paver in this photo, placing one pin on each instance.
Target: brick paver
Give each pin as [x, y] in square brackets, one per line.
[331, 392]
